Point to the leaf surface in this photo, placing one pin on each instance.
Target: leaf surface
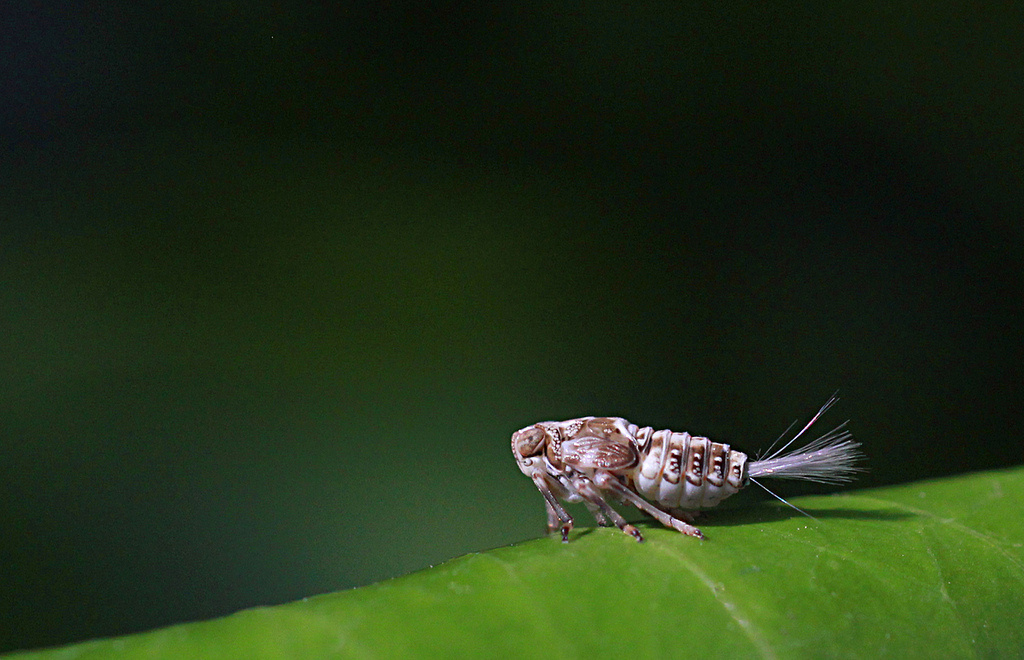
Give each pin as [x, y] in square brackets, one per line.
[933, 568]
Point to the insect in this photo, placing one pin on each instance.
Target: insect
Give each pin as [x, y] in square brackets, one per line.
[594, 459]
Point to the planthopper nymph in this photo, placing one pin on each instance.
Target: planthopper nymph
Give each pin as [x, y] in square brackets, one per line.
[592, 459]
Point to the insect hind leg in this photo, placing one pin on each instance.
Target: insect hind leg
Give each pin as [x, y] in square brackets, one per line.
[682, 514]
[595, 499]
[595, 511]
[609, 482]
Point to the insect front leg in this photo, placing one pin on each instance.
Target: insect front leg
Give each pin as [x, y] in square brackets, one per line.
[608, 482]
[555, 510]
[554, 522]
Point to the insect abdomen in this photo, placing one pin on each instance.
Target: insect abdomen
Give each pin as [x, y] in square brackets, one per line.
[680, 471]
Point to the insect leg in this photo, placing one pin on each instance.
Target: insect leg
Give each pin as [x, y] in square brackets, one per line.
[554, 508]
[596, 512]
[552, 517]
[685, 516]
[609, 482]
[594, 496]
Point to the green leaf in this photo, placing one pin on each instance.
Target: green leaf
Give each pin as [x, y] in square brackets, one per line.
[925, 569]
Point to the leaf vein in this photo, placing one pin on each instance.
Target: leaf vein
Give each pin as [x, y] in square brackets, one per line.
[730, 607]
[988, 539]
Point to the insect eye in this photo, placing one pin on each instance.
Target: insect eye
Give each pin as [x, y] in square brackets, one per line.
[528, 442]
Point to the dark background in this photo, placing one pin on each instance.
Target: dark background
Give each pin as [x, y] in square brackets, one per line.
[278, 284]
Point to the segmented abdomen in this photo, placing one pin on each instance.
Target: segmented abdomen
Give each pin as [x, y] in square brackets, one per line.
[680, 471]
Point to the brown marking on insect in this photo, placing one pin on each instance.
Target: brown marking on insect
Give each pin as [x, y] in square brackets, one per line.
[554, 453]
[600, 426]
[737, 470]
[571, 428]
[654, 464]
[716, 470]
[674, 464]
[695, 461]
[590, 452]
[528, 442]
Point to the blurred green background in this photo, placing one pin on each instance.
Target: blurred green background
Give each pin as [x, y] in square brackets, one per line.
[279, 283]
